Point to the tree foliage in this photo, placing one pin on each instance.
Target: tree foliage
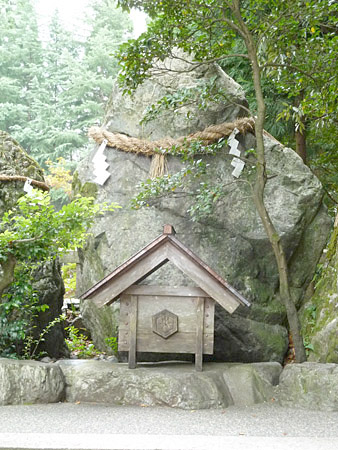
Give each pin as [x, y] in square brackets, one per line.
[52, 92]
[35, 232]
[30, 235]
[59, 178]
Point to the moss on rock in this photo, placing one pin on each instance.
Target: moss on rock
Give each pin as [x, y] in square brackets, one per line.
[319, 318]
[273, 338]
[87, 189]
[14, 161]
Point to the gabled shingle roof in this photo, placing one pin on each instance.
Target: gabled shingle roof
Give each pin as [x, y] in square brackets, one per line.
[164, 248]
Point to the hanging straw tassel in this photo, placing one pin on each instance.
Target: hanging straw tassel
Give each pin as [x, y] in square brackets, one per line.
[158, 166]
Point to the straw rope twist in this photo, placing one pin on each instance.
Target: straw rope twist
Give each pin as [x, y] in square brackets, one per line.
[158, 148]
[208, 136]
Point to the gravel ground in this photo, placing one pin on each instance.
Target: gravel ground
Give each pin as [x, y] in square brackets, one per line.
[260, 420]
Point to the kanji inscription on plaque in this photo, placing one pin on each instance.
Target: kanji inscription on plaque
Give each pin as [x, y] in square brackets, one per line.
[165, 323]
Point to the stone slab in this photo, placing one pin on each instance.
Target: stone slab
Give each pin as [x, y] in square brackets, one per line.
[309, 386]
[176, 385]
[26, 382]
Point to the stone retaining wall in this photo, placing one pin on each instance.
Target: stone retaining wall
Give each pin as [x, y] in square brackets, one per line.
[178, 385]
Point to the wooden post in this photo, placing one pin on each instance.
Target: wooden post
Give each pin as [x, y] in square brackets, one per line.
[199, 334]
[132, 331]
[169, 229]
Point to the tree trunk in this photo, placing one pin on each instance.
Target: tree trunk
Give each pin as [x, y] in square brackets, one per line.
[7, 278]
[258, 194]
[300, 132]
[300, 136]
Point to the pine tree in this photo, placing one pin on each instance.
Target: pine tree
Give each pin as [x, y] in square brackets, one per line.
[20, 66]
[51, 94]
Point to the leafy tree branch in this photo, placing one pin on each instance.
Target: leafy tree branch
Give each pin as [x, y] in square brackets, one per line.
[34, 232]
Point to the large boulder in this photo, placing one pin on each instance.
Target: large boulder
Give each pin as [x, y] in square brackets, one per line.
[25, 382]
[309, 386]
[176, 385]
[231, 239]
[125, 113]
[319, 313]
[14, 161]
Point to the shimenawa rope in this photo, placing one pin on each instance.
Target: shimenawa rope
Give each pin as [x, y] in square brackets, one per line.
[157, 148]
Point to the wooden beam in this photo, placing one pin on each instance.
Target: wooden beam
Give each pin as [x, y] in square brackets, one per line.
[214, 290]
[180, 342]
[132, 332]
[109, 291]
[199, 334]
[135, 259]
[172, 291]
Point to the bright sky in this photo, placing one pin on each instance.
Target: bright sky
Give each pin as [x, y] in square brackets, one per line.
[71, 13]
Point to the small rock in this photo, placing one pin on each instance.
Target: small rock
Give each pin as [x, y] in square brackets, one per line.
[112, 358]
[46, 359]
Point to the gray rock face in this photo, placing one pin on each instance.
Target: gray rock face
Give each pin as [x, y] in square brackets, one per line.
[231, 239]
[179, 386]
[30, 382]
[48, 282]
[125, 112]
[309, 386]
[239, 338]
[102, 322]
[319, 314]
[325, 341]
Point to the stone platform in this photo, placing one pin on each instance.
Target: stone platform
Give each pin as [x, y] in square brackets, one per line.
[176, 385]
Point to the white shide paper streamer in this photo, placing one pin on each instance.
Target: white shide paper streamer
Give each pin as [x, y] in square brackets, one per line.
[100, 165]
[237, 163]
[28, 186]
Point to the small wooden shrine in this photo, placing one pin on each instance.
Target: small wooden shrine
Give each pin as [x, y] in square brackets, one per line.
[165, 319]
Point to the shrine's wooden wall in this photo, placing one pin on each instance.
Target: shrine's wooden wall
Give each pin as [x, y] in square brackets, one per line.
[195, 320]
